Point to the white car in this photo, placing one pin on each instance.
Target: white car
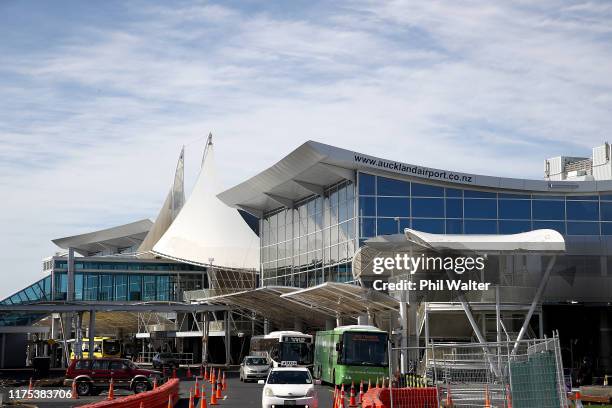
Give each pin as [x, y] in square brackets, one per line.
[254, 368]
[289, 386]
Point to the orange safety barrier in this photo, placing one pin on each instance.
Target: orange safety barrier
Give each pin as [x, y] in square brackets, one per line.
[402, 398]
[158, 398]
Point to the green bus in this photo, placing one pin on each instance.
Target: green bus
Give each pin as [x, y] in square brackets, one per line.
[351, 353]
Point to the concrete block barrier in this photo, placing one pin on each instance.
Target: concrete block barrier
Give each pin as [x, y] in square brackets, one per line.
[157, 398]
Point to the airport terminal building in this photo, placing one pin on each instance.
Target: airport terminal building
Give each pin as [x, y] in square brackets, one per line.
[294, 236]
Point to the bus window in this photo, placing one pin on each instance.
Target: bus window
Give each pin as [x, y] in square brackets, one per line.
[299, 352]
[364, 349]
[111, 348]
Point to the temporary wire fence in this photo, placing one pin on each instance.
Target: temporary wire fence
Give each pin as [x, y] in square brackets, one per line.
[527, 374]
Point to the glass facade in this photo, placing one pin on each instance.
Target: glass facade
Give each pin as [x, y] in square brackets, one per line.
[387, 206]
[311, 243]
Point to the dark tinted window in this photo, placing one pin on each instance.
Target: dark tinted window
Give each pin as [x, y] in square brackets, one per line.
[118, 365]
[478, 194]
[480, 227]
[514, 227]
[99, 365]
[606, 228]
[454, 226]
[367, 227]
[480, 208]
[367, 184]
[428, 225]
[606, 211]
[454, 208]
[548, 210]
[425, 190]
[289, 377]
[515, 209]
[454, 192]
[256, 361]
[392, 187]
[393, 207]
[387, 226]
[428, 207]
[583, 228]
[582, 210]
[367, 206]
[82, 365]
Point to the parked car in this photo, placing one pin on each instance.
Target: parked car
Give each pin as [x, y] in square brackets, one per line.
[254, 368]
[93, 376]
[289, 386]
[161, 360]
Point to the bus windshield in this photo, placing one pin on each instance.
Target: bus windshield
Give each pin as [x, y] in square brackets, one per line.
[364, 349]
[299, 352]
[111, 347]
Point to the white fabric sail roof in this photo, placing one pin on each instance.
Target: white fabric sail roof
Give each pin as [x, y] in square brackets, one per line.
[169, 210]
[208, 229]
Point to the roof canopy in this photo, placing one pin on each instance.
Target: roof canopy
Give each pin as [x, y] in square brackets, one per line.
[122, 236]
[207, 231]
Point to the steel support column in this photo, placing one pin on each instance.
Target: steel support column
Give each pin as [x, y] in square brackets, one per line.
[91, 332]
[228, 347]
[535, 302]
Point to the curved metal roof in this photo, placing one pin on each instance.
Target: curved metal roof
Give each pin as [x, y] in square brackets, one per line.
[313, 166]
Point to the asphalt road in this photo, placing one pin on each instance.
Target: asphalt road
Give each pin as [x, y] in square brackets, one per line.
[238, 395]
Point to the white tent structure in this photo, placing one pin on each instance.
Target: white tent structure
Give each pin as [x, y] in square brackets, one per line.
[206, 231]
[169, 210]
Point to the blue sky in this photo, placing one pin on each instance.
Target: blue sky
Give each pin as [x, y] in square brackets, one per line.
[98, 97]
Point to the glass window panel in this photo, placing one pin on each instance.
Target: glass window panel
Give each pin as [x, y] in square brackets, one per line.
[478, 208]
[478, 194]
[582, 228]
[106, 287]
[367, 227]
[367, 206]
[392, 187]
[78, 286]
[120, 287]
[515, 209]
[554, 225]
[606, 228]
[426, 190]
[333, 237]
[582, 210]
[515, 196]
[454, 192]
[90, 286]
[514, 227]
[135, 287]
[388, 226]
[428, 207]
[548, 210]
[393, 206]
[454, 226]
[454, 208]
[606, 211]
[367, 184]
[582, 198]
[342, 212]
[480, 227]
[163, 288]
[344, 231]
[434, 226]
[547, 197]
[606, 197]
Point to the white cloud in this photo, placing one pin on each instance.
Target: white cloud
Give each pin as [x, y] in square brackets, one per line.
[90, 126]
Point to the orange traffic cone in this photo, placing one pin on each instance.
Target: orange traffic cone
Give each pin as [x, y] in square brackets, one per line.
[191, 404]
[154, 383]
[508, 397]
[352, 400]
[360, 400]
[377, 387]
[141, 404]
[196, 386]
[219, 395]
[189, 372]
[73, 391]
[223, 383]
[369, 384]
[31, 389]
[170, 403]
[111, 390]
[449, 398]
[342, 397]
[203, 399]
[383, 383]
[212, 375]
[487, 401]
[335, 396]
[213, 395]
